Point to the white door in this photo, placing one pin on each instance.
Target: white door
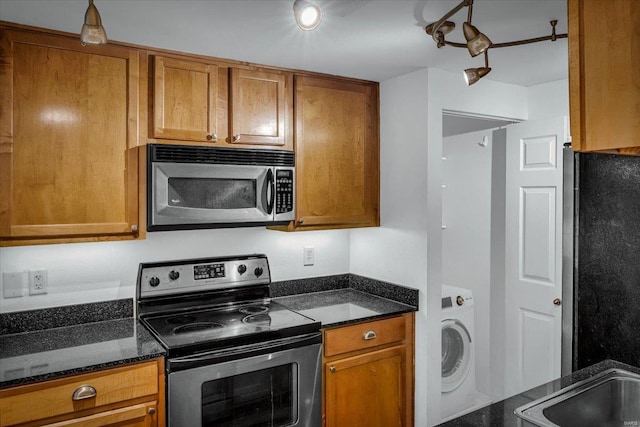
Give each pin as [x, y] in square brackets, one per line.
[533, 264]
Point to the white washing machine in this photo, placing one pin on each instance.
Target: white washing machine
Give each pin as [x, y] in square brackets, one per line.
[459, 394]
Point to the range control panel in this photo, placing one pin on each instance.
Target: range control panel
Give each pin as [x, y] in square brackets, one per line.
[203, 274]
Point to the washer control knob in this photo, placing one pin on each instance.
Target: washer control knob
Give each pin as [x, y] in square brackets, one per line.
[242, 269]
[459, 300]
[154, 281]
[258, 271]
[174, 275]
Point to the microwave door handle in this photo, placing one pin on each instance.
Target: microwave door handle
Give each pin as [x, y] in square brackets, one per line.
[269, 191]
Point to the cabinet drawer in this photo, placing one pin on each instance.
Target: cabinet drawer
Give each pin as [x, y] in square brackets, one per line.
[54, 398]
[363, 336]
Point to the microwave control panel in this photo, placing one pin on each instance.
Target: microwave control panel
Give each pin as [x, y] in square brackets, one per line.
[284, 190]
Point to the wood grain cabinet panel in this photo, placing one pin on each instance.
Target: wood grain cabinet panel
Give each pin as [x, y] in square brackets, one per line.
[125, 396]
[68, 139]
[369, 382]
[604, 59]
[184, 100]
[337, 153]
[258, 105]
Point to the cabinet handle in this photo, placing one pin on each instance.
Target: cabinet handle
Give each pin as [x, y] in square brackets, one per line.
[301, 220]
[213, 137]
[332, 369]
[152, 411]
[370, 335]
[236, 138]
[134, 227]
[557, 301]
[84, 392]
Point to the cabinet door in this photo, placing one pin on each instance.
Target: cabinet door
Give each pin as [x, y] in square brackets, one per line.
[184, 102]
[68, 132]
[604, 58]
[258, 107]
[143, 415]
[367, 390]
[337, 153]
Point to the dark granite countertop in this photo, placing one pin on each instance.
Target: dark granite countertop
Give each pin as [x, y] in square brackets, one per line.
[36, 355]
[501, 414]
[343, 306]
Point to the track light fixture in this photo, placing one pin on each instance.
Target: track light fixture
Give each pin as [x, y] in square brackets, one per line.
[308, 15]
[477, 42]
[92, 31]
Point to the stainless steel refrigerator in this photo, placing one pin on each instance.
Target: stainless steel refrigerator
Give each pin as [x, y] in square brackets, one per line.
[601, 259]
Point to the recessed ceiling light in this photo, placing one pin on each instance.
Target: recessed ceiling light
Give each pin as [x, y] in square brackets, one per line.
[308, 15]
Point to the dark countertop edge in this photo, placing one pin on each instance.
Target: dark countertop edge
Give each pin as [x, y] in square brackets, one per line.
[143, 336]
[495, 412]
[80, 370]
[393, 292]
[400, 308]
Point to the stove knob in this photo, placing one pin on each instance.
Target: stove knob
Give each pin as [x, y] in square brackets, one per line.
[258, 271]
[154, 281]
[173, 275]
[242, 269]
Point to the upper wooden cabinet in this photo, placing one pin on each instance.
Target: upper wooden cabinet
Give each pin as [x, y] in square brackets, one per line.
[216, 104]
[185, 100]
[258, 105]
[68, 137]
[604, 59]
[337, 153]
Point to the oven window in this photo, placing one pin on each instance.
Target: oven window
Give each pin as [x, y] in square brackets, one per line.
[212, 193]
[259, 398]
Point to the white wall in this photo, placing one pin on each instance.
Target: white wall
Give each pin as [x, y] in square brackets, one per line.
[407, 248]
[466, 242]
[548, 100]
[89, 272]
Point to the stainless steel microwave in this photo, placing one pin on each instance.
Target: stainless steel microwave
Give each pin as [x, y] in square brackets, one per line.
[192, 187]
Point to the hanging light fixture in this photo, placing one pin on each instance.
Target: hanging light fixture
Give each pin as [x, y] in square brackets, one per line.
[472, 75]
[308, 15]
[477, 42]
[92, 31]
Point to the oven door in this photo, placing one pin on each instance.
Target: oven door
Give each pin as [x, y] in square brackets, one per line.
[209, 194]
[275, 389]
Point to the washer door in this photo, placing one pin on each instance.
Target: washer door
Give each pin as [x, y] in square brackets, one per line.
[456, 354]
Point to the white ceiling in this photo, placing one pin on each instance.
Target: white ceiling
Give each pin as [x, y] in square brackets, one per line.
[368, 39]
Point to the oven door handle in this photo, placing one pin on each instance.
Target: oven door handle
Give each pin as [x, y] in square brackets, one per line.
[243, 351]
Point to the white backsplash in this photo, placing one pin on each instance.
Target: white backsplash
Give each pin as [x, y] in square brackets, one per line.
[91, 272]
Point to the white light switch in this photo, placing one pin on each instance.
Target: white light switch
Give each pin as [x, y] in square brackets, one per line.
[13, 284]
[309, 255]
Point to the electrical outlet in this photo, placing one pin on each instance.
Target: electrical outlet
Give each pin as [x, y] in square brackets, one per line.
[308, 255]
[38, 280]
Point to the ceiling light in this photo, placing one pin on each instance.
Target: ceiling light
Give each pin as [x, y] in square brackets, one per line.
[308, 15]
[472, 75]
[92, 30]
[477, 42]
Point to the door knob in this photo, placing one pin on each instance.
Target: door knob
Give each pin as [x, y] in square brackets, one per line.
[557, 301]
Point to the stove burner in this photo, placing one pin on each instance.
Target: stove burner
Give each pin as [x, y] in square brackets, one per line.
[181, 320]
[254, 309]
[197, 326]
[260, 320]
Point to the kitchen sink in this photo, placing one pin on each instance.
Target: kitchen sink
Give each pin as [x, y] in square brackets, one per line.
[609, 399]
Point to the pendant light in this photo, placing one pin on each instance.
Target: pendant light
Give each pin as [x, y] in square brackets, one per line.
[92, 31]
[308, 15]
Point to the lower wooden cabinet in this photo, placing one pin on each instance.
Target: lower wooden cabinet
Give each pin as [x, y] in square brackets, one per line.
[131, 396]
[369, 374]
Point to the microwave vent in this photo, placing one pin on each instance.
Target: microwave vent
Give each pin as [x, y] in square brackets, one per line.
[217, 155]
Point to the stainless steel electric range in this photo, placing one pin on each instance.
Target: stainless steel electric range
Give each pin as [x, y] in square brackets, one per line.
[234, 357]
